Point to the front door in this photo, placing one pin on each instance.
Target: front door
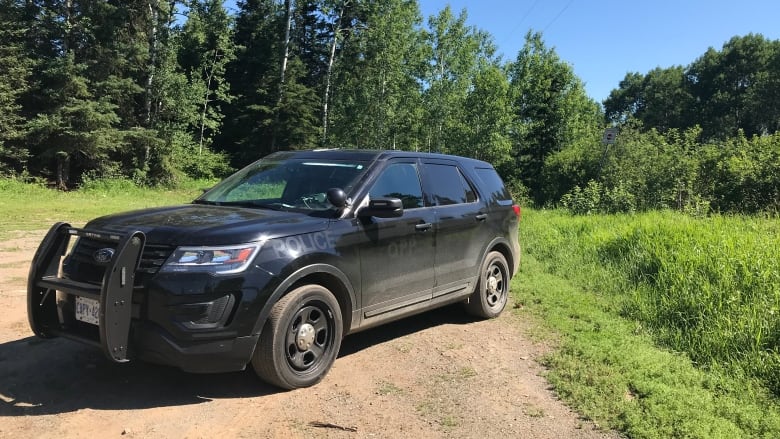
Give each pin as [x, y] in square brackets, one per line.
[397, 256]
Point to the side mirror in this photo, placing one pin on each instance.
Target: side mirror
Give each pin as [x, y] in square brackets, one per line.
[337, 197]
[383, 208]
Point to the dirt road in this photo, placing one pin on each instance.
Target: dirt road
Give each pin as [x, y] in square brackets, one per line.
[440, 374]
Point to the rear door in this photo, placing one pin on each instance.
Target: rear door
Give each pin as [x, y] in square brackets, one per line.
[461, 231]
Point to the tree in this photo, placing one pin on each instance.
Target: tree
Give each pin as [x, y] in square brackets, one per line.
[266, 115]
[16, 64]
[252, 76]
[336, 11]
[727, 85]
[552, 112]
[455, 53]
[660, 99]
[73, 121]
[204, 54]
[487, 118]
[78, 127]
[376, 92]
[723, 91]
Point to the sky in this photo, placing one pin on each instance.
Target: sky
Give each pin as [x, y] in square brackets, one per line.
[605, 39]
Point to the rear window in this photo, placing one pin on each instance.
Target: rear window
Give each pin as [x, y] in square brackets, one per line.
[493, 185]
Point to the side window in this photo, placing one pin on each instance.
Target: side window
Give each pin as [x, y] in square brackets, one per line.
[493, 184]
[399, 180]
[447, 185]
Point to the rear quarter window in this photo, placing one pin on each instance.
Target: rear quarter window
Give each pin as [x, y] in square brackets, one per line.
[446, 185]
[493, 186]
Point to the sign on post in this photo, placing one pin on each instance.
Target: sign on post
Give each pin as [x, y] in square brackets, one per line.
[610, 134]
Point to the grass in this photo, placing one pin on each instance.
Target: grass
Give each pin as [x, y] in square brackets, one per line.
[610, 288]
[388, 388]
[28, 206]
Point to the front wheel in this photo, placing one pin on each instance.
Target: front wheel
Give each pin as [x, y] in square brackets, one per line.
[301, 338]
[490, 296]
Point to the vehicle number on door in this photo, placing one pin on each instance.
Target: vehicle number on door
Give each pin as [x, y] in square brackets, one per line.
[88, 310]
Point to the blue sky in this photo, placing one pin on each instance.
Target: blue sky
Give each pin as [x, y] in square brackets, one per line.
[605, 39]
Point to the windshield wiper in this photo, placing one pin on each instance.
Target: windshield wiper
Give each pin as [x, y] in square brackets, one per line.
[211, 203]
[250, 203]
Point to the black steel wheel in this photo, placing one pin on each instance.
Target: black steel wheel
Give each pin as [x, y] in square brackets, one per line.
[301, 338]
[489, 298]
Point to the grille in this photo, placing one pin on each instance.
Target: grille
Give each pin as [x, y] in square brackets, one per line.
[154, 257]
[83, 267]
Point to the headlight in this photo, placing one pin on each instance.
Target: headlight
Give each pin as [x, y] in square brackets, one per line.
[217, 260]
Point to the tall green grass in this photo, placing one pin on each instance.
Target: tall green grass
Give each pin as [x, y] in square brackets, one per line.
[707, 287]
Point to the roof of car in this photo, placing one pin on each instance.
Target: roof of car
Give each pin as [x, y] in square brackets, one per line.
[369, 155]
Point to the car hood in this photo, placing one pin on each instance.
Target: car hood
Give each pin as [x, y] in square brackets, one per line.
[208, 225]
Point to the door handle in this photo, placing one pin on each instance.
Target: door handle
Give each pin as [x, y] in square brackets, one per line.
[423, 227]
[481, 217]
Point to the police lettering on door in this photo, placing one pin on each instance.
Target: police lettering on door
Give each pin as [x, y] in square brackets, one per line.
[294, 246]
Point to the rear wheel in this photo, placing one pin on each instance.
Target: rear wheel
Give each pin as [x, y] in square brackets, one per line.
[301, 338]
[490, 296]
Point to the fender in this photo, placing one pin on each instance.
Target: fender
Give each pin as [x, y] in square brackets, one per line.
[513, 263]
[295, 277]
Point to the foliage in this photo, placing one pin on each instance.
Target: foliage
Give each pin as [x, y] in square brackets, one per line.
[742, 175]
[595, 198]
[723, 91]
[647, 170]
[551, 113]
[16, 66]
[376, 100]
[456, 52]
[703, 291]
[160, 91]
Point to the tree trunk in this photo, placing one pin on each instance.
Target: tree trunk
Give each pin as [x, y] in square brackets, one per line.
[206, 101]
[154, 15]
[329, 73]
[63, 170]
[288, 5]
[66, 40]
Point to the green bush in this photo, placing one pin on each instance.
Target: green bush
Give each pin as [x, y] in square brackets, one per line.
[595, 198]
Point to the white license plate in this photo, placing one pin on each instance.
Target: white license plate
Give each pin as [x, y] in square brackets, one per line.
[88, 310]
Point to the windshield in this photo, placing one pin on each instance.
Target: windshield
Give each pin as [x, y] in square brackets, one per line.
[286, 183]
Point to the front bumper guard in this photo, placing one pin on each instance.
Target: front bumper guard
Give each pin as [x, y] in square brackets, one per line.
[115, 293]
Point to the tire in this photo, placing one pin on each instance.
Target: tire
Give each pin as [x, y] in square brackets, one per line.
[489, 298]
[300, 339]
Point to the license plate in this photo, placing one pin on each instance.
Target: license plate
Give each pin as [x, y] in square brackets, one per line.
[88, 310]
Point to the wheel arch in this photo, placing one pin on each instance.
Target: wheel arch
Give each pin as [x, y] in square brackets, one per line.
[502, 247]
[325, 275]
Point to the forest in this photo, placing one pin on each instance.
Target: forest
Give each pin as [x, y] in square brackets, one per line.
[156, 92]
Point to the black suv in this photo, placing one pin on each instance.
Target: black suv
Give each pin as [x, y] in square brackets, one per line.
[275, 264]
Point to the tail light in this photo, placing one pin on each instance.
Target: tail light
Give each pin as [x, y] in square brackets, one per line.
[517, 210]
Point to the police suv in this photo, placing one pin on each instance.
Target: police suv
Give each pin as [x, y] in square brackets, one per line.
[277, 263]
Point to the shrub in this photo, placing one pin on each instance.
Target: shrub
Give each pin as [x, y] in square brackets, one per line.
[596, 198]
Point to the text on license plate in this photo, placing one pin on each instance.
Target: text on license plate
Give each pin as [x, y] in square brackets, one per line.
[88, 310]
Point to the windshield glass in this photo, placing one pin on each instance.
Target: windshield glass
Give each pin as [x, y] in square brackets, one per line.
[285, 184]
